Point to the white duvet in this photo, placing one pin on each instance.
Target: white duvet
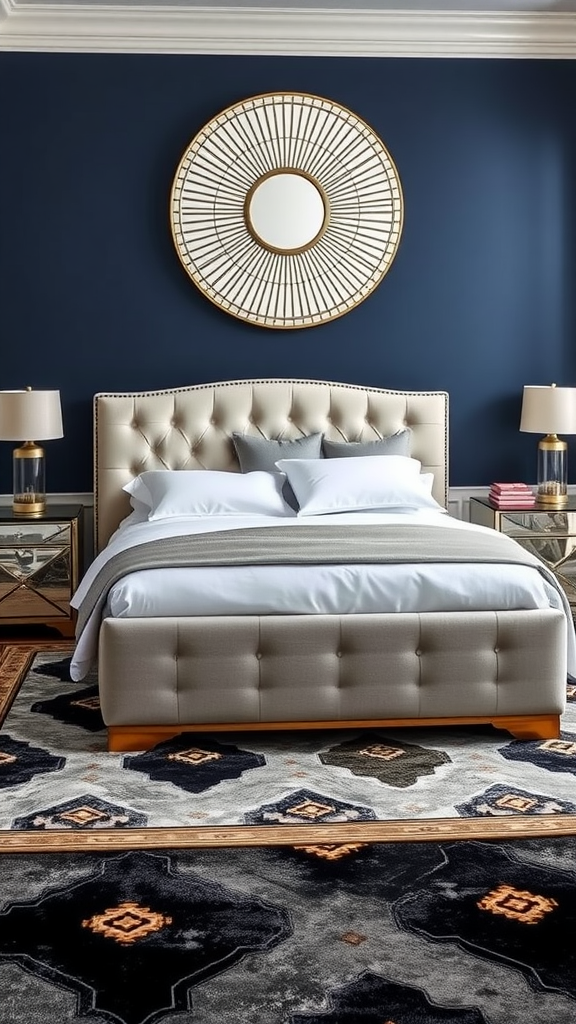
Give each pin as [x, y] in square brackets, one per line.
[325, 589]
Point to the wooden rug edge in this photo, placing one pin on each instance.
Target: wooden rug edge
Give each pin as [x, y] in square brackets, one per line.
[15, 662]
[349, 834]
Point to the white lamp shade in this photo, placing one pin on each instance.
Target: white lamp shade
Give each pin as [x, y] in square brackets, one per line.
[547, 409]
[30, 415]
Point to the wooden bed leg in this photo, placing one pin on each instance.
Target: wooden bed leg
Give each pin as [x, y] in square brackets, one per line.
[531, 727]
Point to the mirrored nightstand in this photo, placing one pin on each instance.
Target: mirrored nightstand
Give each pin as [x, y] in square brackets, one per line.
[550, 534]
[40, 566]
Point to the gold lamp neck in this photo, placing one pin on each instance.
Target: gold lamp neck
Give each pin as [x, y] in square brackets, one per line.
[552, 443]
[29, 450]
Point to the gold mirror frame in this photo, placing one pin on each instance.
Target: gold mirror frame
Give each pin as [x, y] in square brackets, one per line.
[237, 195]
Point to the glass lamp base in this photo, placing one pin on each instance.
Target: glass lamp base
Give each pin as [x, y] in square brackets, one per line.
[552, 489]
[547, 500]
[21, 506]
[29, 476]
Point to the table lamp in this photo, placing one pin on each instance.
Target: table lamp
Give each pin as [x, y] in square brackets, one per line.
[549, 410]
[27, 414]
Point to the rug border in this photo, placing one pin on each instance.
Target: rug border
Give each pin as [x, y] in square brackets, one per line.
[16, 660]
[349, 833]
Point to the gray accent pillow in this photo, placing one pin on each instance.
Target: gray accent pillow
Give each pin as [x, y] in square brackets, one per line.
[395, 444]
[261, 454]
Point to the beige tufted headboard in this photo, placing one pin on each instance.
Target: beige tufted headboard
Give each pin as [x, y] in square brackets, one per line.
[191, 428]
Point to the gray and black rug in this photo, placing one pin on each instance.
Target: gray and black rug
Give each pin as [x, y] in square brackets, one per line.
[56, 774]
[465, 932]
[277, 902]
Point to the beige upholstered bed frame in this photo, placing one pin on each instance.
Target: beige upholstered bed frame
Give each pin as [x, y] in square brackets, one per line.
[162, 676]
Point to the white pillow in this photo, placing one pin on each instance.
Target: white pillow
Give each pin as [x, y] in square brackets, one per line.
[206, 492]
[322, 486]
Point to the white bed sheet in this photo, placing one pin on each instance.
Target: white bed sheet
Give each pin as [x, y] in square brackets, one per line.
[325, 589]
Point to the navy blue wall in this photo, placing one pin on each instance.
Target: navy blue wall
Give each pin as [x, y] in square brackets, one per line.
[478, 302]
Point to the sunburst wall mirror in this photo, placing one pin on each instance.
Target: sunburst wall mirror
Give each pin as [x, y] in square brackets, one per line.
[286, 210]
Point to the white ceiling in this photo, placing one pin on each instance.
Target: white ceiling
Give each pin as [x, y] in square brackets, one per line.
[516, 6]
[453, 28]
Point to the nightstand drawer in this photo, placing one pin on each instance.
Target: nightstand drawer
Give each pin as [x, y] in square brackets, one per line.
[34, 599]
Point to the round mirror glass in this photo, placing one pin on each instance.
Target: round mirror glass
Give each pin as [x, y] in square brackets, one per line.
[286, 212]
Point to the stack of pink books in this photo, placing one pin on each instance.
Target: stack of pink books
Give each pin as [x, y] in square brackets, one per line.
[514, 496]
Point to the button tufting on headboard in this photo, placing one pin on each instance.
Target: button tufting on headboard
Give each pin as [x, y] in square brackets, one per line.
[191, 428]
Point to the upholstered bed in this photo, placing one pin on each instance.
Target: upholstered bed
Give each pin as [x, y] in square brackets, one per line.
[160, 674]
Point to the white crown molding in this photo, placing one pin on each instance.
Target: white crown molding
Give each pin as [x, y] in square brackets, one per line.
[93, 28]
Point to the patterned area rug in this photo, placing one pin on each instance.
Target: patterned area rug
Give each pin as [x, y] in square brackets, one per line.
[460, 932]
[62, 790]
